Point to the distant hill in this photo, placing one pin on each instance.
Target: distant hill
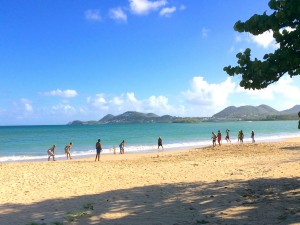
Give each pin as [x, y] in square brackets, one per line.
[261, 112]
[231, 113]
[292, 110]
[138, 117]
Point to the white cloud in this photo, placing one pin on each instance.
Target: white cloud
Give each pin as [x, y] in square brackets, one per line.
[65, 94]
[204, 94]
[117, 101]
[93, 15]
[118, 14]
[129, 102]
[265, 39]
[286, 88]
[141, 7]
[26, 105]
[282, 89]
[98, 102]
[63, 109]
[167, 11]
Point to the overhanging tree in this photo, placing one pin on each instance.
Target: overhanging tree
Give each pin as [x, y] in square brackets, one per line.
[284, 23]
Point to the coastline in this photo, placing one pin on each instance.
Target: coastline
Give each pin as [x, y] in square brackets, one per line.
[79, 155]
[229, 184]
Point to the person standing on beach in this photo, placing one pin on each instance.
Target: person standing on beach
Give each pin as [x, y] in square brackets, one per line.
[51, 152]
[159, 143]
[67, 150]
[98, 149]
[219, 135]
[122, 145]
[252, 136]
[241, 136]
[227, 138]
[214, 138]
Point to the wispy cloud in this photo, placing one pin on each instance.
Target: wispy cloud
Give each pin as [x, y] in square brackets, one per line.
[205, 32]
[167, 11]
[65, 94]
[142, 7]
[26, 105]
[63, 109]
[118, 14]
[93, 15]
[182, 7]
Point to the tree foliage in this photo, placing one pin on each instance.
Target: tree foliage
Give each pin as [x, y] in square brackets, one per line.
[284, 23]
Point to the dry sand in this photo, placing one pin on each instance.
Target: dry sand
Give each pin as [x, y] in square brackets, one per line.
[229, 184]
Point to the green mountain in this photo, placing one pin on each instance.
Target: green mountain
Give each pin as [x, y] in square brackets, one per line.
[261, 112]
[231, 113]
[138, 117]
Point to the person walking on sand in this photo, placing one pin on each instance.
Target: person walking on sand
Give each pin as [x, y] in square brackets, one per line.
[67, 150]
[122, 145]
[219, 135]
[98, 149]
[214, 138]
[50, 152]
[252, 136]
[227, 138]
[159, 143]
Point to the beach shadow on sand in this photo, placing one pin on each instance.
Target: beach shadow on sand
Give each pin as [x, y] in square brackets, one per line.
[291, 148]
[259, 201]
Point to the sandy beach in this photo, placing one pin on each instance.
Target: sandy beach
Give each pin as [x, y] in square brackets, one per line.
[229, 184]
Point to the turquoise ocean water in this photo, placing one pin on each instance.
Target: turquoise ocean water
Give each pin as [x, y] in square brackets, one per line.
[25, 143]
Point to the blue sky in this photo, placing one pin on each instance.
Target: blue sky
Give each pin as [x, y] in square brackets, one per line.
[73, 59]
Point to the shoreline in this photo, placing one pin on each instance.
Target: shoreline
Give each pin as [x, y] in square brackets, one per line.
[230, 184]
[91, 153]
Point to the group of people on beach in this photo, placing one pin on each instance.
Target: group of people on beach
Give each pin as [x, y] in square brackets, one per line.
[98, 147]
[51, 150]
[218, 137]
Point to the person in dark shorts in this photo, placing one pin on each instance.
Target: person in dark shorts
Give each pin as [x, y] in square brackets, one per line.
[98, 149]
[159, 143]
[214, 138]
[122, 146]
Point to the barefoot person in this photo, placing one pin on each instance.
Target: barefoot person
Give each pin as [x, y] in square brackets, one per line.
[227, 138]
[122, 146]
[241, 136]
[159, 143]
[67, 150]
[214, 138]
[252, 136]
[98, 149]
[50, 152]
[219, 135]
